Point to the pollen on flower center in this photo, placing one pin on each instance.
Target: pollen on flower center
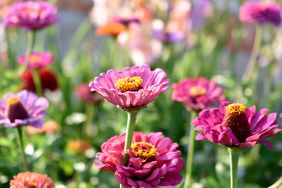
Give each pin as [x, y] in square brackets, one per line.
[235, 108]
[197, 91]
[129, 83]
[15, 109]
[13, 100]
[235, 118]
[144, 150]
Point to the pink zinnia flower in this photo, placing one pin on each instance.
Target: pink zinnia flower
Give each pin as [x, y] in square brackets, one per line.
[153, 160]
[23, 108]
[197, 93]
[235, 125]
[261, 13]
[31, 179]
[83, 93]
[37, 59]
[31, 15]
[132, 88]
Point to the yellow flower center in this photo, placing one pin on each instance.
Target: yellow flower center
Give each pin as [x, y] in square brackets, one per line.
[34, 58]
[144, 150]
[129, 83]
[13, 100]
[197, 91]
[235, 109]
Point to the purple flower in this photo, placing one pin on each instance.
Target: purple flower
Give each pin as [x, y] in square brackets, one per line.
[132, 88]
[37, 59]
[197, 93]
[153, 160]
[31, 15]
[235, 125]
[125, 20]
[168, 37]
[23, 108]
[261, 13]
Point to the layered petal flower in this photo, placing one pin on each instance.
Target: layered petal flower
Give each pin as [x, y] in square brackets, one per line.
[31, 179]
[31, 15]
[197, 93]
[23, 108]
[131, 88]
[235, 125]
[48, 80]
[36, 59]
[153, 160]
[261, 12]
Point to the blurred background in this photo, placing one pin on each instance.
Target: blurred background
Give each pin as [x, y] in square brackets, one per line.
[215, 45]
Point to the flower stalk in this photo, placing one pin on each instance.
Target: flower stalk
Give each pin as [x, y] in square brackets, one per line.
[190, 149]
[252, 61]
[30, 46]
[234, 161]
[37, 81]
[20, 138]
[131, 120]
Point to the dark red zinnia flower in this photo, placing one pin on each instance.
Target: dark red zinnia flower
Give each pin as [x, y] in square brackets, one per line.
[48, 80]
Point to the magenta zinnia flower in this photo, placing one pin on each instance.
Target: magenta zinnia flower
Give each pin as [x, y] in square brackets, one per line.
[197, 93]
[261, 13]
[153, 160]
[131, 88]
[235, 125]
[37, 59]
[31, 15]
[31, 179]
[83, 93]
[23, 108]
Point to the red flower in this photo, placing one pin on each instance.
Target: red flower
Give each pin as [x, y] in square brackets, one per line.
[48, 80]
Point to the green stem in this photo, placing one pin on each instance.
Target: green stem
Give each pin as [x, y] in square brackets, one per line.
[131, 120]
[89, 110]
[30, 46]
[11, 56]
[20, 137]
[189, 160]
[234, 161]
[252, 61]
[37, 81]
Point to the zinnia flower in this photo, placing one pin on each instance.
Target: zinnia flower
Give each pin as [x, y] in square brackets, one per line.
[168, 37]
[111, 29]
[261, 13]
[31, 180]
[131, 88]
[37, 59]
[83, 93]
[48, 80]
[197, 93]
[23, 108]
[235, 125]
[31, 15]
[153, 160]
[78, 146]
[48, 127]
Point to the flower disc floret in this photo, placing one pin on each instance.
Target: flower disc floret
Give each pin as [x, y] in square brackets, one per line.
[23, 108]
[129, 83]
[235, 125]
[131, 88]
[197, 91]
[144, 150]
